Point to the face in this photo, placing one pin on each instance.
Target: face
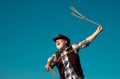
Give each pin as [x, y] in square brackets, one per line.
[61, 44]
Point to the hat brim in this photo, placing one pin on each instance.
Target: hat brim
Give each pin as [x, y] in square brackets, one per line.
[60, 38]
[65, 38]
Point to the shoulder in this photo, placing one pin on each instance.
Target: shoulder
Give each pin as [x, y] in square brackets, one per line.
[57, 54]
[72, 49]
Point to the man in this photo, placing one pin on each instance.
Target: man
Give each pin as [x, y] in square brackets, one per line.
[67, 59]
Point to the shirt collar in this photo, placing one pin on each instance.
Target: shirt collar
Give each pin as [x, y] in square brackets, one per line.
[65, 49]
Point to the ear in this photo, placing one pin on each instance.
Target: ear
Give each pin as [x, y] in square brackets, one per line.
[65, 41]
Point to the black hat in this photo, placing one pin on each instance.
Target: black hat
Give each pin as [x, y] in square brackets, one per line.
[60, 36]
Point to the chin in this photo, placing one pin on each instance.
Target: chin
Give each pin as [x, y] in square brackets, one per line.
[60, 48]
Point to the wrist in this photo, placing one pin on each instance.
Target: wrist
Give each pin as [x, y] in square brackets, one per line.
[48, 63]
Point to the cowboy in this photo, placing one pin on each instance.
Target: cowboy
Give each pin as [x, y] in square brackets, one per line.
[66, 58]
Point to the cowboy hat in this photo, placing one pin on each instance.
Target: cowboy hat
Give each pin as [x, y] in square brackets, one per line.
[60, 36]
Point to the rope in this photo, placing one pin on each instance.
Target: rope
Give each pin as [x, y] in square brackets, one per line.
[53, 72]
[80, 16]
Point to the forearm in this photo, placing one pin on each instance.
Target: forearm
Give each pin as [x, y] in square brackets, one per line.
[95, 34]
[49, 61]
[92, 37]
[48, 66]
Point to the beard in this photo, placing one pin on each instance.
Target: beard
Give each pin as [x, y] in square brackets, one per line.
[60, 46]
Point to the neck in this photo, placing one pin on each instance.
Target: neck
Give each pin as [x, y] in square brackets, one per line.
[64, 48]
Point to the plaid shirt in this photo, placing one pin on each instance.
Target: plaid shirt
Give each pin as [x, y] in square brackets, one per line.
[68, 69]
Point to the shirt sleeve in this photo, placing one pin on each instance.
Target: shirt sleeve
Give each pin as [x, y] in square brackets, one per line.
[54, 57]
[80, 45]
[54, 60]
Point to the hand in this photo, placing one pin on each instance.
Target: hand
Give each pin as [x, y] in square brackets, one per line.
[47, 67]
[100, 29]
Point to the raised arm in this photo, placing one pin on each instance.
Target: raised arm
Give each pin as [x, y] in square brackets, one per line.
[95, 34]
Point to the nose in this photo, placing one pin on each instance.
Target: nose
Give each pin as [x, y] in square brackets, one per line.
[57, 43]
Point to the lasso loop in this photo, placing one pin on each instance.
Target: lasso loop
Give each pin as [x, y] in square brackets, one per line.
[77, 14]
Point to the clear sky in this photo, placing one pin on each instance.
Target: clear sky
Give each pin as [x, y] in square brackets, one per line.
[27, 28]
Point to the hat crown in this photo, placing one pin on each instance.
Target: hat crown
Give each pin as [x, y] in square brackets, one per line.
[60, 35]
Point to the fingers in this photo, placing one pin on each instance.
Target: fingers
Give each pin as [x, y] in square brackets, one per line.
[47, 67]
[100, 28]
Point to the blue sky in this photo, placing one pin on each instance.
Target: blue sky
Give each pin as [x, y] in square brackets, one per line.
[28, 26]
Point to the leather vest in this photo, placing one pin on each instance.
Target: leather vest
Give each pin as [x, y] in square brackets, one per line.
[74, 60]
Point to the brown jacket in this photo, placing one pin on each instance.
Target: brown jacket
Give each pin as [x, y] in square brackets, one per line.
[73, 59]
